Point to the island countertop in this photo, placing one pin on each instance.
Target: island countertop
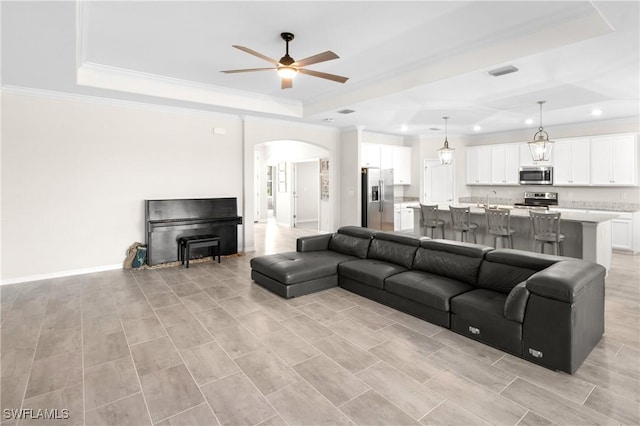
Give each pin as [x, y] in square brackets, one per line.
[588, 234]
[577, 216]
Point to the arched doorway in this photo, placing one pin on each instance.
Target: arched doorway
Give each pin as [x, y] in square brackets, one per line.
[288, 183]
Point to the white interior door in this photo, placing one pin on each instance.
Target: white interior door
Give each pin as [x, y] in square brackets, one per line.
[306, 194]
[438, 182]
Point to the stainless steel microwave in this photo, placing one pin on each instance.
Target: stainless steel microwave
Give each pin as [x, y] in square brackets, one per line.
[536, 175]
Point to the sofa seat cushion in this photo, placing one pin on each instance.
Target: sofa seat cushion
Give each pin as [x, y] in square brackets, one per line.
[428, 289]
[371, 272]
[295, 267]
[479, 314]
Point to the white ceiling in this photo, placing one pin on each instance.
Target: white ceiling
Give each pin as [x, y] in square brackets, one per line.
[409, 63]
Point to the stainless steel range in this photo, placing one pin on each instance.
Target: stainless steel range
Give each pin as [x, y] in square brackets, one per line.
[538, 200]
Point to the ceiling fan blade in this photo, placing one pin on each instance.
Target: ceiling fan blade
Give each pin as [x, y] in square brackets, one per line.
[320, 57]
[332, 77]
[287, 83]
[247, 70]
[259, 55]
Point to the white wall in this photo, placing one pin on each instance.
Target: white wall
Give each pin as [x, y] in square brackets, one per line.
[75, 176]
[350, 178]
[381, 138]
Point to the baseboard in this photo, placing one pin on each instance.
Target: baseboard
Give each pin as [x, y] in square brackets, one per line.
[61, 274]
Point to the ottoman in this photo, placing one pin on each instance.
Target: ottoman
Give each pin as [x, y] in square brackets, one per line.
[297, 273]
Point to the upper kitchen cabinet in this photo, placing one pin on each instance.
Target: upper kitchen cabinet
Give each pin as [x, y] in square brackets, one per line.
[614, 160]
[527, 160]
[571, 162]
[370, 155]
[505, 162]
[479, 165]
[401, 165]
[393, 157]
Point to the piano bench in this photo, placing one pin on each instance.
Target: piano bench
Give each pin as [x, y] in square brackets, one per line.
[185, 244]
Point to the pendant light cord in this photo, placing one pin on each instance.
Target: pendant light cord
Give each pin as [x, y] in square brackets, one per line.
[446, 132]
[541, 102]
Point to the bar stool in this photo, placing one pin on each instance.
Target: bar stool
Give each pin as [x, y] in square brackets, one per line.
[545, 229]
[498, 225]
[461, 221]
[430, 219]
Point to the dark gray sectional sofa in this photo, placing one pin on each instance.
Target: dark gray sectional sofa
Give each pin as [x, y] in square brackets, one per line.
[546, 309]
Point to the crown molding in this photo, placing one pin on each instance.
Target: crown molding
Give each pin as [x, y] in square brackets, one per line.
[98, 100]
[124, 80]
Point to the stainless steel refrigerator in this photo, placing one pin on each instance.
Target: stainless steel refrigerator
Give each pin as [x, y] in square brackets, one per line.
[377, 198]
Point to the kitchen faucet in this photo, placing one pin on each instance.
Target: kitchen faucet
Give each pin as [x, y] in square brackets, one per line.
[488, 194]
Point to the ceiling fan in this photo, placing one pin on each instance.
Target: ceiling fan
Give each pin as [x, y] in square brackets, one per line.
[287, 67]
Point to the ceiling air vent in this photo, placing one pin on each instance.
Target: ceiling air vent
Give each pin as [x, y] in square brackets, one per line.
[502, 71]
[346, 111]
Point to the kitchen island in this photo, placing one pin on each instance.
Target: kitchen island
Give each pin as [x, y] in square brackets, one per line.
[587, 235]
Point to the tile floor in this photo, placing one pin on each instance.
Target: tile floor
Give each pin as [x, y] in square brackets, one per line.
[206, 345]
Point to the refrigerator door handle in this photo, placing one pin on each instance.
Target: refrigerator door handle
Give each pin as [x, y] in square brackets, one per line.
[380, 204]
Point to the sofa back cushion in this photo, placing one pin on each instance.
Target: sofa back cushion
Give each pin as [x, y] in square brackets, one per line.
[352, 240]
[503, 269]
[451, 259]
[394, 248]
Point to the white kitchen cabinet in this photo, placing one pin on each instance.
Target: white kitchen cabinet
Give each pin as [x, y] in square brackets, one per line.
[571, 162]
[505, 162]
[406, 218]
[397, 218]
[472, 166]
[614, 160]
[479, 165]
[386, 157]
[370, 155]
[622, 233]
[401, 165]
[527, 160]
[625, 231]
[393, 157]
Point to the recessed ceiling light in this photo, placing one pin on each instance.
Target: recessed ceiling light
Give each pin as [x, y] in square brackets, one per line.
[477, 128]
[596, 112]
[528, 121]
[404, 128]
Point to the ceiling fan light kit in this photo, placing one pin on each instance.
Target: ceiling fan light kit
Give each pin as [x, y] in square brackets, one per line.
[288, 68]
[540, 147]
[287, 72]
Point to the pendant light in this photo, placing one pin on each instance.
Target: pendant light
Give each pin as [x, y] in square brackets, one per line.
[541, 146]
[445, 153]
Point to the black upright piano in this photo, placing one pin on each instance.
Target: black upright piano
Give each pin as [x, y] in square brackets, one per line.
[168, 220]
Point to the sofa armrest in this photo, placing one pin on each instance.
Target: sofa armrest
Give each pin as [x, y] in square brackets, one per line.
[313, 242]
[565, 280]
[516, 303]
